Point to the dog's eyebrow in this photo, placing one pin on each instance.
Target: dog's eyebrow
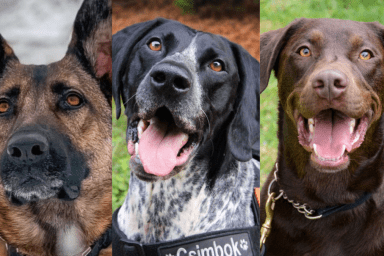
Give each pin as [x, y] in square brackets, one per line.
[316, 37]
[60, 87]
[356, 41]
[11, 92]
[210, 54]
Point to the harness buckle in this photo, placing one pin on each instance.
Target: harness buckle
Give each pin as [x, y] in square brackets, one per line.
[137, 247]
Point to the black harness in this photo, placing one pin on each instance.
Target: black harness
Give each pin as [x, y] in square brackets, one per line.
[104, 241]
[239, 241]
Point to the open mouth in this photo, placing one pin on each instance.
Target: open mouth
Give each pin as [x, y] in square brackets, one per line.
[331, 136]
[159, 144]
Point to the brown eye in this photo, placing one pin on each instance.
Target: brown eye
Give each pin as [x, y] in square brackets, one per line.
[305, 52]
[216, 66]
[4, 106]
[155, 45]
[73, 100]
[365, 55]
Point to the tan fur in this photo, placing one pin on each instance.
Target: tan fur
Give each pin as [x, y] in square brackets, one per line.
[89, 130]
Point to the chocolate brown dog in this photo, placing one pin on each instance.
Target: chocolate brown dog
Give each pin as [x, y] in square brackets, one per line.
[331, 130]
[55, 144]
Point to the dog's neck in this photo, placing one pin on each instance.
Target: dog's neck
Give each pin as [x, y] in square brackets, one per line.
[70, 241]
[296, 174]
[184, 205]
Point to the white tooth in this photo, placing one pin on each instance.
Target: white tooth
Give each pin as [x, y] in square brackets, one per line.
[310, 121]
[314, 149]
[311, 128]
[352, 125]
[140, 127]
[353, 122]
[356, 139]
[137, 148]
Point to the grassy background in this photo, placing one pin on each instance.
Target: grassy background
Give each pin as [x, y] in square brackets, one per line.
[275, 14]
[120, 160]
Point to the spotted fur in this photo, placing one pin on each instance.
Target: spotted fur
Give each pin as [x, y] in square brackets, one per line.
[184, 205]
[213, 189]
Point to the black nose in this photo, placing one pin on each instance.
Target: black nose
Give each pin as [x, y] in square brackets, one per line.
[28, 148]
[170, 78]
[330, 84]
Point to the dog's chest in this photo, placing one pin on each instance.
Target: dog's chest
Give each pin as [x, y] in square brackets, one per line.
[70, 241]
[184, 206]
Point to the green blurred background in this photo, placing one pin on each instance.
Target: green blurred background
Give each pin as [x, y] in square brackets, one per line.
[275, 14]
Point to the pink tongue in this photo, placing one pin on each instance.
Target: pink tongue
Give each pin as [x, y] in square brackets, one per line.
[159, 146]
[331, 133]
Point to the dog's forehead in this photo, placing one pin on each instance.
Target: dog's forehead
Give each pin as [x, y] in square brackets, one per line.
[173, 32]
[207, 40]
[334, 31]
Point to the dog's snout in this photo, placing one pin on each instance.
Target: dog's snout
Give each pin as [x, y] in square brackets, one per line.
[27, 148]
[330, 84]
[170, 78]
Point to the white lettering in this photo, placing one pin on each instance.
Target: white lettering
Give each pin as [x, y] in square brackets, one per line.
[218, 248]
[208, 250]
[181, 250]
[190, 253]
[227, 246]
[235, 249]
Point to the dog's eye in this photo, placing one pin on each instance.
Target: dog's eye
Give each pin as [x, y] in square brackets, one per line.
[4, 106]
[365, 55]
[155, 45]
[216, 66]
[74, 100]
[305, 52]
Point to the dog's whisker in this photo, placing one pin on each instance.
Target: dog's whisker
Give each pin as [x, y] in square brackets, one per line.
[129, 99]
[209, 126]
[209, 130]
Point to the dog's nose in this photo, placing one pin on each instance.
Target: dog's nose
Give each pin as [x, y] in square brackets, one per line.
[170, 78]
[27, 148]
[330, 84]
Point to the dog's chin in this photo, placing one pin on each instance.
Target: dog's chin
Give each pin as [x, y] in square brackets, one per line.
[35, 192]
[329, 166]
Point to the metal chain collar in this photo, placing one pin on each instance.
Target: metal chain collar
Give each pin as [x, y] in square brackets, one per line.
[301, 208]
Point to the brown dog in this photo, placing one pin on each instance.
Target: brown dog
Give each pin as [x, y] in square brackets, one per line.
[331, 130]
[55, 143]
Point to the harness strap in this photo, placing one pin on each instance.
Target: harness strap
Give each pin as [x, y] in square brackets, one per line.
[241, 241]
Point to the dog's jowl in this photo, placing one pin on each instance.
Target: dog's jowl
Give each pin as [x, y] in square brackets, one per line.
[191, 101]
[329, 170]
[55, 144]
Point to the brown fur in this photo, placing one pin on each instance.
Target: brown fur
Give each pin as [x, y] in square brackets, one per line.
[32, 228]
[354, 232]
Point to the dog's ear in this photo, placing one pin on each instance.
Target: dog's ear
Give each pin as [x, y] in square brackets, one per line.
[91, 41]
[378, 29]
[123, 43]
[271, 44]
[243, 136]
[6, 55]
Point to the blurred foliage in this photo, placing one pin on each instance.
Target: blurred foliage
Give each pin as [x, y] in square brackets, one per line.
[187, 6]
[275, 14]
[120, 159]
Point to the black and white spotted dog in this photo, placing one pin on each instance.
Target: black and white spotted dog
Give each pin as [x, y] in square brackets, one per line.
[191, 99]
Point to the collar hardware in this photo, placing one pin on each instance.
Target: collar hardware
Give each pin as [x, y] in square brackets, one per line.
[304, 209]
